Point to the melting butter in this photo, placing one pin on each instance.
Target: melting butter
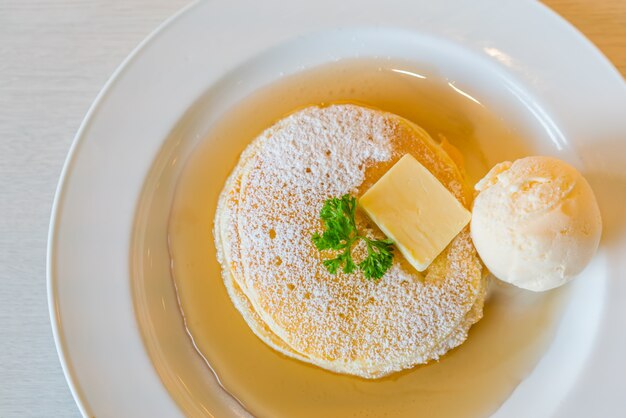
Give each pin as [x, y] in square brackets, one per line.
[413, 208]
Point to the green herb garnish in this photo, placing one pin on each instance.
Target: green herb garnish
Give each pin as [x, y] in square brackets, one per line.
[341, 234]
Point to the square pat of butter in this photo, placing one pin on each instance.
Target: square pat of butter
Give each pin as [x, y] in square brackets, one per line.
[411, 206]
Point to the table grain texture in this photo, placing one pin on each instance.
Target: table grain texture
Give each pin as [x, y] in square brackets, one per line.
[55, 55]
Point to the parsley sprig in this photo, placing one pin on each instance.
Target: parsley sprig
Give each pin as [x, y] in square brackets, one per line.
[341, 234]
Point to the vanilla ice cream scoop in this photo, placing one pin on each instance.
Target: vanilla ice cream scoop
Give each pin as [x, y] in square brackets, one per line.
[535, 222]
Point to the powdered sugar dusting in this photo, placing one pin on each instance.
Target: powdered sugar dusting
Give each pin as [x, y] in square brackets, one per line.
[345, 322]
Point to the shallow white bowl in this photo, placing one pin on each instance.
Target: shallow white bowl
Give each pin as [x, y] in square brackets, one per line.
[113, 308]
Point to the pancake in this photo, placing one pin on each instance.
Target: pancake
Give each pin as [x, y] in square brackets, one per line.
[268, 211]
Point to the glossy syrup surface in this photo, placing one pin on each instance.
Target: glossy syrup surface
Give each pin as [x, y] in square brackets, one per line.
[472, 380]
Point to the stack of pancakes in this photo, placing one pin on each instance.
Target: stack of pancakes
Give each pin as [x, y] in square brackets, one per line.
[268, 211]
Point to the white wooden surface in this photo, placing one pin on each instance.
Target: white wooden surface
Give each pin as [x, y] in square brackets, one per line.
[55, 55]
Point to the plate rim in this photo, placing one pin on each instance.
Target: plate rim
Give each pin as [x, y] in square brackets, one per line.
[51, 290]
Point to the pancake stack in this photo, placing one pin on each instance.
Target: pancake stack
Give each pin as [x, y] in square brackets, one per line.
[268, 211]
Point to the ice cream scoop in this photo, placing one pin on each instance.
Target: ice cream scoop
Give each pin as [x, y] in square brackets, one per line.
[535, 222]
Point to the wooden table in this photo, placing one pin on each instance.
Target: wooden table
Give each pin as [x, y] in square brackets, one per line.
[602, 21]
[55, 55]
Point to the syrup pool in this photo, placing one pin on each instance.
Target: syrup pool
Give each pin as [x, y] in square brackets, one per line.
[472, 380]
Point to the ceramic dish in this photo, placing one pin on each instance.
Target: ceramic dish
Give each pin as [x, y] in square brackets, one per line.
[113, 308]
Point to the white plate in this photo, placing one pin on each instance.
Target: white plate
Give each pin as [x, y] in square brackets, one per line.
[111, 301]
